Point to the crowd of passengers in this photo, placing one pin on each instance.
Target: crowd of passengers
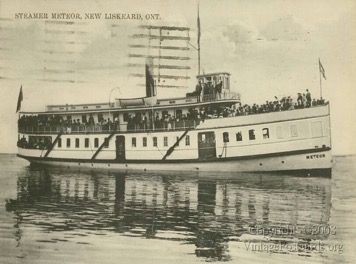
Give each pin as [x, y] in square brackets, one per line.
[195, 115]
[286, 103]
[41, 143]
[164, 120]
[210, 91]
[55, 120]
[167, 121]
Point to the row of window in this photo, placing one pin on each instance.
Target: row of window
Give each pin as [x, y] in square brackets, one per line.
[239, 137]
[265, 133]
[155, 141]
[86, 143]
[75, 107]
[106, 142]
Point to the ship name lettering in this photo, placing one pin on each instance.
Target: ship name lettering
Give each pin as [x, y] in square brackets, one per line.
[66, 16]
[316, 156]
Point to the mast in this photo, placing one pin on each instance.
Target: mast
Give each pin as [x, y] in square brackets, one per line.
[321, 89]
[198, 41]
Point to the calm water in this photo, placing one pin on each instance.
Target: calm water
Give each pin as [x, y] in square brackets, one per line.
[62, 216]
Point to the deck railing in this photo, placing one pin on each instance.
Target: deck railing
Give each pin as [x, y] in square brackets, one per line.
[142, 127]
[220, 96]
[132, 127]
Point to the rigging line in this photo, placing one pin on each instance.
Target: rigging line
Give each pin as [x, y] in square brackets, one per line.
[192, 45]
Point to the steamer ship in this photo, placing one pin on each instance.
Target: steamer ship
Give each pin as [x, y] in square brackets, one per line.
[206, 130]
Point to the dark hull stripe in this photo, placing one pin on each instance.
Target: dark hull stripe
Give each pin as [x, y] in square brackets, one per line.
[327, 172]
[214, 160]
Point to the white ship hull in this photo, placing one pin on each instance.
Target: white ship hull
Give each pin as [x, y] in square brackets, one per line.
[296, 140]
[307, 163]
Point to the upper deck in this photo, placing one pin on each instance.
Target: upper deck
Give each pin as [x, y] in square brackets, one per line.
[179, 102]
[156, 120]
[211, 99]
[211, 95]
[214, 88]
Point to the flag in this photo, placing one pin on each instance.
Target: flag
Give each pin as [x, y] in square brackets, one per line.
[198, 23]
[19, 100]
[321, 69]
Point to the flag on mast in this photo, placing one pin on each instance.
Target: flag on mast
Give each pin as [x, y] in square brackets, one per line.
[19, 100]
[321, 68]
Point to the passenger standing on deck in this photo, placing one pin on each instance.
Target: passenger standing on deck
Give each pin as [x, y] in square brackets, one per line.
[198, 89]
[116, 123]
[157, 121]
[129, 122]
[109, 124]
[144, 121]
[304, 101]
[169, 122]
[91, 120]
[300, 99]
[218, 89]
[308, 97]
[205, 91]
[211, 90]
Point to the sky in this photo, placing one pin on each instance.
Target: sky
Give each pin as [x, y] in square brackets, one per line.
[270, 48]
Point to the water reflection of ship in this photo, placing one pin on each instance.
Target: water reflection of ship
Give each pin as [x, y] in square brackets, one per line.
[203, 211]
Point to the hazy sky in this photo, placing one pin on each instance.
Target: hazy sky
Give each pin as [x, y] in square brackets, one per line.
[271, 48]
